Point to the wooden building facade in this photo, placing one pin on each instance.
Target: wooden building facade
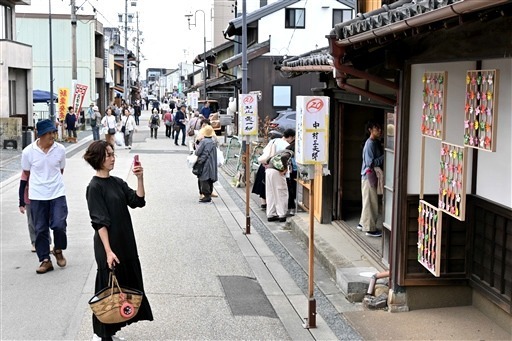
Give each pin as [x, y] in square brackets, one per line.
[383, 63]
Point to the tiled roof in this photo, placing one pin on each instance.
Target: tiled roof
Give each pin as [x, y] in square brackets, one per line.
[314, 61]
[404, 14]
[388, 14]
[316, 57]
[254, 51]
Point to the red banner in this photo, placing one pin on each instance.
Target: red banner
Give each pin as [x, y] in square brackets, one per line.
[78, 97]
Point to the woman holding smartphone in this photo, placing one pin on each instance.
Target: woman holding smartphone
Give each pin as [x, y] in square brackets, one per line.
[108, 198]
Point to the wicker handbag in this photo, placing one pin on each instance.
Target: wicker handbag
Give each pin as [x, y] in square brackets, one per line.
[114, 304]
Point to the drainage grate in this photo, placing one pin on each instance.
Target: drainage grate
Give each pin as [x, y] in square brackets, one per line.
[246, 297]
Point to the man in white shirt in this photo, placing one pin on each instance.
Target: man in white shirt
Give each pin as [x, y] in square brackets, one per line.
[43, 161]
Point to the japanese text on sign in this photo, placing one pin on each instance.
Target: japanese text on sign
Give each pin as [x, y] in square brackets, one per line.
[248, 118]
[79, 96]
[312, 131]
[63, 103]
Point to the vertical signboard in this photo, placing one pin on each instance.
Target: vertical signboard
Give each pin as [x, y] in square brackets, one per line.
[248, 117]
[78, 97]
[193, 99]
[312, 130]
[63, 103]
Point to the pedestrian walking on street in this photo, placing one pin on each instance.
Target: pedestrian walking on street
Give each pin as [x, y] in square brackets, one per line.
[137, 111]
[154, 123]
[168, 120]
[207, 157]
[180, 121]
[128, 122]
[95, 122]
[108, 199]
[43, 162]
[109, 124]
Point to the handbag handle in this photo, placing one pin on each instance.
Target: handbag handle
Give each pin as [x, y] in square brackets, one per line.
[113, 282]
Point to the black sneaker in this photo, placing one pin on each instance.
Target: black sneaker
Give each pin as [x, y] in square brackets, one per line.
[376, 233]
[273, 218]
[205, 199]
[282, 219]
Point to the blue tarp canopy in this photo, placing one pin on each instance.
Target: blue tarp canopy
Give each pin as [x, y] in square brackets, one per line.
[41, 96]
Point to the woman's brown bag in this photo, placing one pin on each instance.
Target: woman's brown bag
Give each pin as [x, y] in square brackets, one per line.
[114, 304]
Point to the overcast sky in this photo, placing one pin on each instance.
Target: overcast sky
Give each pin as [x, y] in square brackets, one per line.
[167, 40]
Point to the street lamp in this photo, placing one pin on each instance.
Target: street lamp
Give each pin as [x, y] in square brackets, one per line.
[204, 41]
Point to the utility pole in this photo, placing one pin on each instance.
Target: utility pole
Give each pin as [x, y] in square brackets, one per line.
[138, 50]
[74, 76]
[125, 81]
[52, 103]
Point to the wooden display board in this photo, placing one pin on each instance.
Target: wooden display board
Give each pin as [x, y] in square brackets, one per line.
[434, 104]
[481, 109]
[452, 180]
[429, 237]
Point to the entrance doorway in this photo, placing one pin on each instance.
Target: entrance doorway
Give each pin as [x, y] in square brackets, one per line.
[351, 124]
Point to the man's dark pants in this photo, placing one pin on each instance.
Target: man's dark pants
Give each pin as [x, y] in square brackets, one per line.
[49, 214]
[177, 133]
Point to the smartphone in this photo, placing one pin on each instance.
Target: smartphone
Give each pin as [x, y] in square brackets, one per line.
[136, 161]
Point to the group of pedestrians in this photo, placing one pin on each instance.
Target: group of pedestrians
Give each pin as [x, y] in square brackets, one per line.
[43, 199]
[175, 123]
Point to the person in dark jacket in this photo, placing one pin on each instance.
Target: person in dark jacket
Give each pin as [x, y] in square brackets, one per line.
[70, 122]
[180, 121]
[207, 156]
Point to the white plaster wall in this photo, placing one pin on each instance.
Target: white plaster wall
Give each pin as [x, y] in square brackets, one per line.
[494, 169]
[292, 42]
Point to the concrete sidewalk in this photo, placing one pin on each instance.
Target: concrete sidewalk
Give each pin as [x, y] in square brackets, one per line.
[347, 265]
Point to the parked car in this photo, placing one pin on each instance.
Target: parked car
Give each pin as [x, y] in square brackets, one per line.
[284, 120]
